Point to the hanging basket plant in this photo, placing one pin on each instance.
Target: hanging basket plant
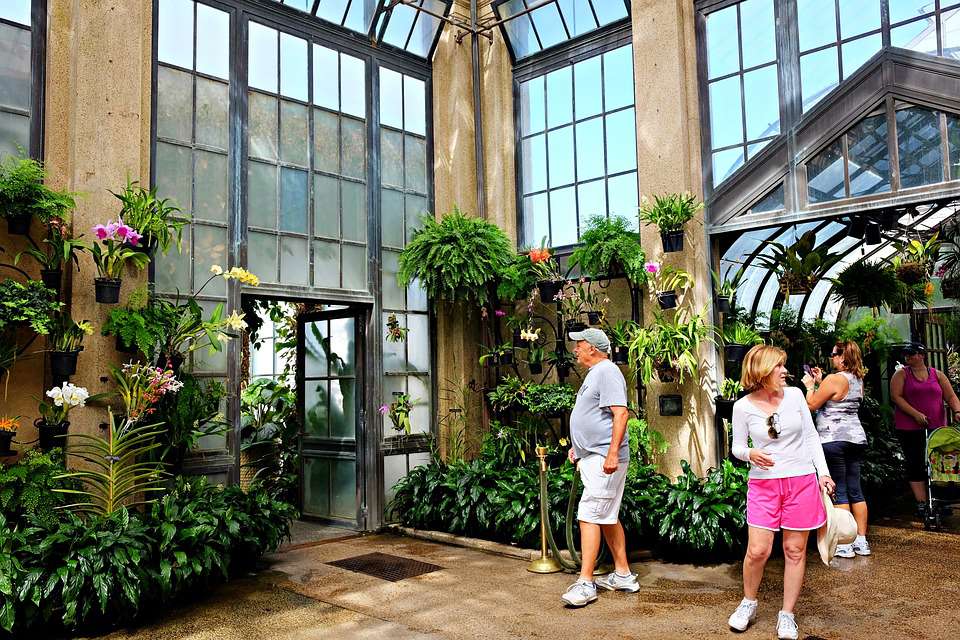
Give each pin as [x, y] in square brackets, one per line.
[456, 259]
[23, 195]
[863, 284]
[669, 349]
[670, 213]
[608, 247]
[799, 266]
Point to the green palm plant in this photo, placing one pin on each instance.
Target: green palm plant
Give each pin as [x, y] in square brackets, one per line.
[119, 473]
[800, 265]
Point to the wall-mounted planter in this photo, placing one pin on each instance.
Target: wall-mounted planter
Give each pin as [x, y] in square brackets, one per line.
[51, 279]
[148, 248]
[6, 437]
[51, 435]
[735, 353]
[19, 224]
[107, 290]
[672, 241]
[573, 325]
[621, 354]
[536, 368]
[593, 317]
[122, 346]
[63, 364]
[667, 299]
[724, 304]
[505, 359]
[670, 404]
[549, 289]
[724, 407]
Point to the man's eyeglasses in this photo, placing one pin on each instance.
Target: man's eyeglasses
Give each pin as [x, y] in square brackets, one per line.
[773, 424]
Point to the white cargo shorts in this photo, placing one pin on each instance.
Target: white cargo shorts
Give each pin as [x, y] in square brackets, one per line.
[602, 492]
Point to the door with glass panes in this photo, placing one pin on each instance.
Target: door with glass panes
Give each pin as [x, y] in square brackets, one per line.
[330, 393]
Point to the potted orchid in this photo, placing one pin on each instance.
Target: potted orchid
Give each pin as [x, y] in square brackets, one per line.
[8, 429]
[141, 386]
[151, 217]
[669, 213]
[664, 280]
[53, 423]
[535, 351]
[399, 411]
[61, 250]
[730, 390]
[66, 340]
[112, 251]
[549, 279]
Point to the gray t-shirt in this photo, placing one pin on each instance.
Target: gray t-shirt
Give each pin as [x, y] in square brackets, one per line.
[591, 422]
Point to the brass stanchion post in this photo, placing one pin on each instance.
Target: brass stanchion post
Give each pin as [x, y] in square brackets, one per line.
[545, 563]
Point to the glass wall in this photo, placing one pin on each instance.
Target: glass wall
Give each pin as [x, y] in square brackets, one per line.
[578, 147]
[404, 200]
[554, 22]
[16, 83]
[828, 41]
[742, 85]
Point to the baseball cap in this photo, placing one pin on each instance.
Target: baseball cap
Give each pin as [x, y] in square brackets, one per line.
[914, 347]
[596, 337]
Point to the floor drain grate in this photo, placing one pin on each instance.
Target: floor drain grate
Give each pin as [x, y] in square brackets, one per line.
[385, 566]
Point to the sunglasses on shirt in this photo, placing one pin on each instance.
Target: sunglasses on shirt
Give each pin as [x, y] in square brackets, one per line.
[773, 426]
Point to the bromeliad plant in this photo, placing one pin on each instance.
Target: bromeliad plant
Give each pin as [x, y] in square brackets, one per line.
[151, 217]
[608, 246]
[456, 259]
[399, 412]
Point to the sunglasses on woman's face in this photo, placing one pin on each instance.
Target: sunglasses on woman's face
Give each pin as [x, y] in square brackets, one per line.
[836, 354]
[773, 424]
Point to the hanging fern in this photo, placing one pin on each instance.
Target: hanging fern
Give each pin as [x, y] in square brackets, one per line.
[456, 259]
[610, 246]
[866, 285]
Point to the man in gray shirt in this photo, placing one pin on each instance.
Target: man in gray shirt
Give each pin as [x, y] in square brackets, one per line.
[601, 450]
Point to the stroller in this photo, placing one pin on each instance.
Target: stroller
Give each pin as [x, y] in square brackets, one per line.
[943, 475]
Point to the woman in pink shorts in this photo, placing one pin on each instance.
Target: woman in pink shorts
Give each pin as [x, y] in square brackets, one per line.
[783, 490]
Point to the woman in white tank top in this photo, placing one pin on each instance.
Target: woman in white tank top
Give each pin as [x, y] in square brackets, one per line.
[838, 398]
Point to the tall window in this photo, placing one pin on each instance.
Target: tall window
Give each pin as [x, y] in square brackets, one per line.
[743, 86]
[927, 26]
[16, 86]
[192, 143]
[578, 147]
[554, 22]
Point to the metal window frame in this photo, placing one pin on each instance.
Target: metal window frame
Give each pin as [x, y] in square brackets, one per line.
[598, 43]
[314, 30]
[38, 73]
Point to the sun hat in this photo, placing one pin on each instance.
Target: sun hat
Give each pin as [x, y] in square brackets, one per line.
[840, 528]
[596, 337]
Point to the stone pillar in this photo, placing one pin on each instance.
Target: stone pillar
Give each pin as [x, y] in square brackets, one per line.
[455, 183]
[97, 112]
[668, 161]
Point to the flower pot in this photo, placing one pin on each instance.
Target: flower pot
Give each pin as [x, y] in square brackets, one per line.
[724, 304]
[107, 290]
[505, 358]
[911, 273]
[666, 373]
[593, 317]
[536, 368]
[563, 370]
[51, 435]
[735, 353]
[724, 407]
[51, 279]
[517, 339]
[122, 346]
[148, 248]
[667, 299]
[5, 438]
[573, 325]
[19, 224]
[549, 289]
[672, 241]
[621, 354]
[63, 364]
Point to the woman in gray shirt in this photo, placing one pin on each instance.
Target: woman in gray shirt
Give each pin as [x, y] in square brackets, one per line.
[838, 398]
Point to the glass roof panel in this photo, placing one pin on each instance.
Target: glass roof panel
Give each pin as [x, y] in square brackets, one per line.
[555, 22]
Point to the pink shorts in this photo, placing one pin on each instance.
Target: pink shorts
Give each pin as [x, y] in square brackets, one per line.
[785, 503]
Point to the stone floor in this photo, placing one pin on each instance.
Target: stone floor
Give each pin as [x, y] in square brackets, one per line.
[907, 589]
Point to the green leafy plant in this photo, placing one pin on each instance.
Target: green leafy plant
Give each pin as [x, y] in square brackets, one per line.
[517, 279]
[154, 218]
[727, 287]
[399, 412]
[800, 265]
[669, 348]
[456, 259]
[730, 389]
[266, 405]
[538, 399]
[875, 336]
[31, 303]
[22, 191]
[739, 333]
[395, 333]
[646, 444]
[188, 415]
[62, 249]
[917, 255]
[113, 250]
[669, 212]
[622, 332]
[67, 334]
[704, 517]
[494, 353]
[26, 489]
[664, 278]
[609, 246]
[864, 284]
[143, 327]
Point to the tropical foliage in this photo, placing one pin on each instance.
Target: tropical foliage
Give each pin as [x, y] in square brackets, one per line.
[669, 212]
[608, 246]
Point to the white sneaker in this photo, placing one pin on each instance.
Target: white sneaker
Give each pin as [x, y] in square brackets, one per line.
[744, 616]
[845, 551]
[615, 582]
[787, 626]
[580, 594]
[861, 547]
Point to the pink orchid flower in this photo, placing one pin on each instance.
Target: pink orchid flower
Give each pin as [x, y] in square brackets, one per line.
[133, 238]
[112, 230]
[500, 313]
[384, 409]
[123, 231]
[100, 231]
[652, 267]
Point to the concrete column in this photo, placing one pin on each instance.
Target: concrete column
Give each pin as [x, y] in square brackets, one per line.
[97, 111]
[668, 161]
